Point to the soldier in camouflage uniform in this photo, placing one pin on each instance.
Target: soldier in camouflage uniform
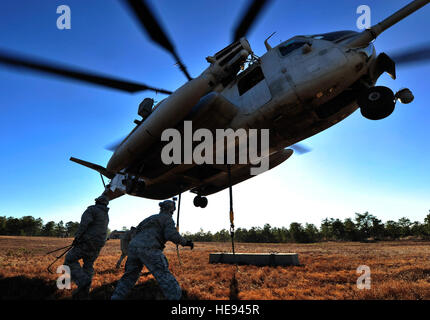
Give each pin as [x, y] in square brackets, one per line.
[125, 241]
[146, 248]
[89, 239]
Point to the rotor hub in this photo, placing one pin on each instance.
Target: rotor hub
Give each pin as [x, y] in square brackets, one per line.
[374, 96]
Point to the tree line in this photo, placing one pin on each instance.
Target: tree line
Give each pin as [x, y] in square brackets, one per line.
[29, 226]
[363, 227]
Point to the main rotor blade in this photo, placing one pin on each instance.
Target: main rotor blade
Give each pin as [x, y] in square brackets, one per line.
[13, 60]
[153, 28]
[412, 55]
[114, 145]
[300, 148]
[254, 9]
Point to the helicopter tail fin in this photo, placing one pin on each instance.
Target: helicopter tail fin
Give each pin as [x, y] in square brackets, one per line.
[96, 167]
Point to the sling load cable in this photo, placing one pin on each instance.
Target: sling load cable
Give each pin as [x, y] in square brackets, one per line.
[103, 180]
[177, 228]
[230, 188]
[234, 286]
[69, 247]
[231, 210]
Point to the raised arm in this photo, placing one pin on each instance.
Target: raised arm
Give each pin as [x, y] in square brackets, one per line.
[171, 234]
[87, 218]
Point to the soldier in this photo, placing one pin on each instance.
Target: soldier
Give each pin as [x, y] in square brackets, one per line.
[89, 239]
[125, 241]
[146, 248]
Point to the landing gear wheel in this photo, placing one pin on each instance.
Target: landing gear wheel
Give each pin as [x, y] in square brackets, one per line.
[405, 96]
[376, 103]
[201, 202]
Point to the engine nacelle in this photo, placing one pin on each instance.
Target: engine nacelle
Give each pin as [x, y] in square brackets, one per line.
[230, 59]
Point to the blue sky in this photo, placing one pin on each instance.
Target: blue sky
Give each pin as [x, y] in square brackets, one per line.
[358, 165]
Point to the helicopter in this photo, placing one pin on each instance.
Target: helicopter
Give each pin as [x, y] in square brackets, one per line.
[297, 89]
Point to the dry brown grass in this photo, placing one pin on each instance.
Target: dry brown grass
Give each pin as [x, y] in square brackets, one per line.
[399, 270]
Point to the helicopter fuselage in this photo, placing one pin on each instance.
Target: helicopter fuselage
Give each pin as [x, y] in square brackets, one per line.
[309, 85]
[297, 89]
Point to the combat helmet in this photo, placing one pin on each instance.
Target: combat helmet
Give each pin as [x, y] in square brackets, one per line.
[167, 205]
[102, 200]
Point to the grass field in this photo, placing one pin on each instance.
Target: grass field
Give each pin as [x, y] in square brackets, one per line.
[399, 270]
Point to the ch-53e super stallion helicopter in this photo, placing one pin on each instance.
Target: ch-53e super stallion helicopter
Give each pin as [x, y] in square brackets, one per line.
[296, 89]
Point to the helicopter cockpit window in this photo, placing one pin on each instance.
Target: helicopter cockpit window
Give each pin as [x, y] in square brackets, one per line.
[292, 45]
[250, 80]
[335, 36]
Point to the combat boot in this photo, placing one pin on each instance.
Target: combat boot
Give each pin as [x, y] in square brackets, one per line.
[82, 292]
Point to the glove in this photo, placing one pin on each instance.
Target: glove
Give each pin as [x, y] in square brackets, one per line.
[189, 244]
